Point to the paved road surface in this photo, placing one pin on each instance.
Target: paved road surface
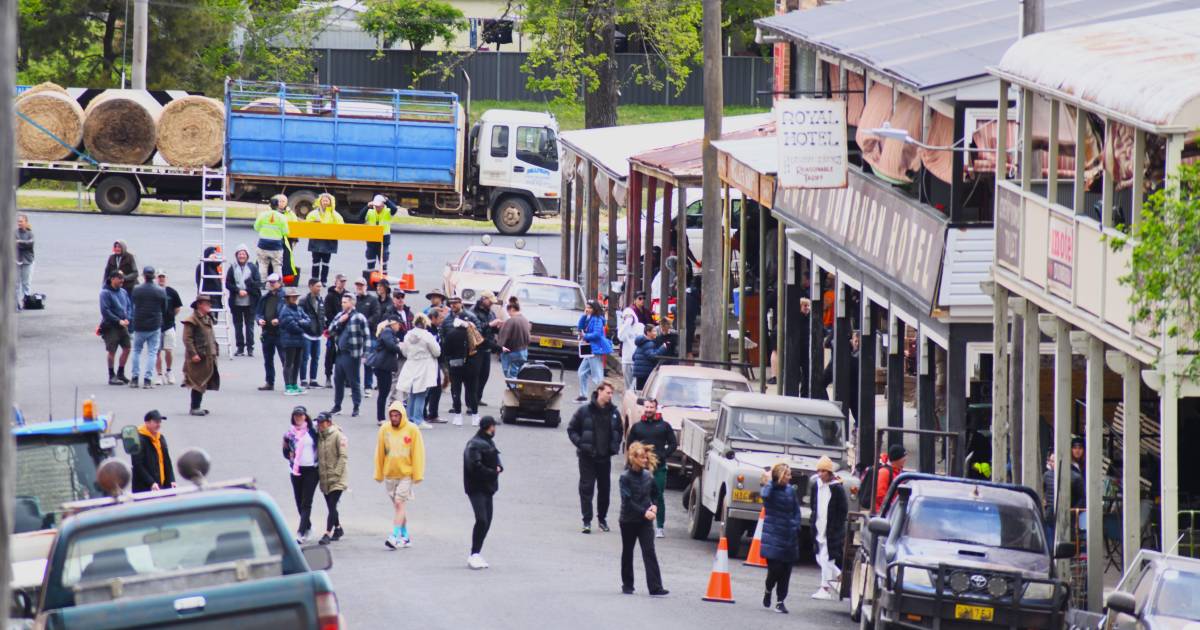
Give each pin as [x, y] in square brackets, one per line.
[544, 573]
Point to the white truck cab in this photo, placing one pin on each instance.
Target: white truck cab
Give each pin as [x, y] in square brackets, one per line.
[515, 157]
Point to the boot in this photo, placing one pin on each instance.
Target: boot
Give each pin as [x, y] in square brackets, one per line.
[121, 375]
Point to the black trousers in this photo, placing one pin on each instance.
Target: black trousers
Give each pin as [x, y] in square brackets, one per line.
[346, 376]
[594, 473]
[433, 400]
[779, 575]
[481, 366]
[331, 502]
[270, 346]
[291, 364]
[243, 326]
[197, 398]
[330, 358]
[462, 377]
[304, 486]
[384, 379]
[320, 266]
[640, 381]
[639, 533]
[481, 504]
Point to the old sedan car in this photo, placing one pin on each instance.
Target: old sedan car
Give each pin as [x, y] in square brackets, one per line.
[486, 268]
[553, 308]
[683, 392]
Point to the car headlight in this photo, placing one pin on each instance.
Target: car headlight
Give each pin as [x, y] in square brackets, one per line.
[917, 580]
[1039, 590]
[467, 294]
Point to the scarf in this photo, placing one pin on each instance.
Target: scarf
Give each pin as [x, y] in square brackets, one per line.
[298, 435]
[157, 444]
[240, 273]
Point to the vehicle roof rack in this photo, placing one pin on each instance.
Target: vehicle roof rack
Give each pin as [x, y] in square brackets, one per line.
[75, 507]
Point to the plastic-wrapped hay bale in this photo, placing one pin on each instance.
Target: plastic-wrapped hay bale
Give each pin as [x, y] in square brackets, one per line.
[44, 87]
[191, 131]
[118, 130]
[269, 105]
[57, 113]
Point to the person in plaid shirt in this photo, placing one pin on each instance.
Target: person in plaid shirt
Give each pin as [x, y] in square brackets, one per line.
[349, 329]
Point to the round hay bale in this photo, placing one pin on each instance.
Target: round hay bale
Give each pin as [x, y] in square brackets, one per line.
[57, 113]
[44, 87]
[191, 131]
[269, 105]
[118, 130]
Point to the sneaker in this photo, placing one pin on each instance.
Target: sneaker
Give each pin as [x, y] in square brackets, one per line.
[391, 542]
[170, 378]
[160, 379]
[767, 599]
[780, 608]
[628, 590]
[581, 399]
[325, 540]
[366, 393]
[337, 534]
[474, 419]
[328, 383]
[240, 353]
[662, 592]
[474, 561]
[289, 390]
[823, 593]
[354, 413]
[405, 543]
[604, 525]
[587, 528]
[456, 419]
[197, 412]
[659, 533]
[424, 426]
[434, 420]
[336, 411]
[483, 404]
[134, 383]
[303, 537]
[121, 377]
[249, 352]
[146, 384]
[267, 387]
[113, 380]
[300, 391]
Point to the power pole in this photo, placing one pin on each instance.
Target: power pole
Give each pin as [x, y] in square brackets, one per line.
[141, 32]
[8, 257]
[1033, 17]
[713, 268]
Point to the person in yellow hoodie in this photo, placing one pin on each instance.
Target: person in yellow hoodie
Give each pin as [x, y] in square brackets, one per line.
[400, 465]
[322, 250]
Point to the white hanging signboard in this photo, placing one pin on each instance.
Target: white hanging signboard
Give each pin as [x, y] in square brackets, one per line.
[811, 136]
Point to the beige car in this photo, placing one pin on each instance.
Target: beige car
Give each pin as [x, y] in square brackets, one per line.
[485, 268]
[683, 392]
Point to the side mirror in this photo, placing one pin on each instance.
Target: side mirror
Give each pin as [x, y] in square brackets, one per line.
[130, 441]
[1122, 602]
[318, 557]
[879, 526]
[1064, 550]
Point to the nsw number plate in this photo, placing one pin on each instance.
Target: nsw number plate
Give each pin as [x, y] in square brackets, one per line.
[746, 496]
[547, 342]
[973, 613]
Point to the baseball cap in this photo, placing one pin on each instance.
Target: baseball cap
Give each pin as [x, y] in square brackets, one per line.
[162, 274]
[360, 281]
[324, 417]
[148, 270]
[299, 410]
[273, 278]
[153, 414]
[378, 200]
[896, 451]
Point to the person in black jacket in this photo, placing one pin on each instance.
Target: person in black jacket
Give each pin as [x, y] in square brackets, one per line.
[208, 279]
[780, 532]
[456, 352]
[830, 508]
[267, 314]
[313, 305]
[385, 361]
[489, 327]
[481, 480]
[433, 399]
[333, 306]
[149, 309]
[244, 285]
[637, 517]
[655, 432]
[151, 466]
[595, 430]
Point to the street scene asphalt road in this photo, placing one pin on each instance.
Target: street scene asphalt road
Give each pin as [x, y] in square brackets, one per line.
[543, 573]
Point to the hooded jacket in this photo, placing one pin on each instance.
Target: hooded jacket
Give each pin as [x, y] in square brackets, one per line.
[481, 458]
[123, 262]
[253, 280]
[781, 526]
[152, 464]
[835, 520]
[647, 350]
[324, 215]
[592, 329]
[583, 434]
[387, 351]
[333, 451]
[115, 306]
[420, 370]
[293, 323]
[399, 451]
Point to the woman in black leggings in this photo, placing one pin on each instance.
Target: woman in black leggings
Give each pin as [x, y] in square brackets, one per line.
[385, 361]
[781, 531]
[481, 479]
[332, 454]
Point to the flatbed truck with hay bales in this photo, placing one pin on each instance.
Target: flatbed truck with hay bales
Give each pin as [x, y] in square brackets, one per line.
[264, 139]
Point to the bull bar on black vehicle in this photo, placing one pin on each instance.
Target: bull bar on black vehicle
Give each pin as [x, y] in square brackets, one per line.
[913, 608]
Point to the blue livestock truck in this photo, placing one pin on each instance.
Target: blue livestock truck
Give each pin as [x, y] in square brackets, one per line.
[304, 140]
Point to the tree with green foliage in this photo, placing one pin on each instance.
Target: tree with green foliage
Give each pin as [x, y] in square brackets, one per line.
[573, 48]
[418, 22]
[1165, 267]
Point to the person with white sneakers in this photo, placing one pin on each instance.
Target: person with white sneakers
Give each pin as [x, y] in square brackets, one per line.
[830, 508]
[481, 480]
[400, 466]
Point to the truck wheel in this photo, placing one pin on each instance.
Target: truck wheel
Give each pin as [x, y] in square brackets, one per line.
[302, 202]
[699, 518]
[117, 195]
[513, 216]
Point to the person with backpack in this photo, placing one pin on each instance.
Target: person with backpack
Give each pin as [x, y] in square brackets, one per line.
[897, 455]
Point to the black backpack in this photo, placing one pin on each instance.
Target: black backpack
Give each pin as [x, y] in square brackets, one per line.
[35, 301]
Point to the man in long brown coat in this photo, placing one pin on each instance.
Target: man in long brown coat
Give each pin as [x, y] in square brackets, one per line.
[200, 366]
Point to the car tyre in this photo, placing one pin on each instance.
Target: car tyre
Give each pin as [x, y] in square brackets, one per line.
[508, 415]
[699, 518]
[735, 528]
[857, 588]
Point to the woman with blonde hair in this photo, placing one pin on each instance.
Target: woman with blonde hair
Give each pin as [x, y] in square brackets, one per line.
[322, 250]
[781, 530]
[637, 517]
[420, 370]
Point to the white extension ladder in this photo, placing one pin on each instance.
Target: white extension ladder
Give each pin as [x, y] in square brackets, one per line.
[212, 234]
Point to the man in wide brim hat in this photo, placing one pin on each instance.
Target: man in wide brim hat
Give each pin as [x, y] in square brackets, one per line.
[201, 350]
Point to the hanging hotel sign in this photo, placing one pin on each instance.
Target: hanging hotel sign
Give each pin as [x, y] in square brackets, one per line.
[1008, 227]
[811, 140]
[900, 240]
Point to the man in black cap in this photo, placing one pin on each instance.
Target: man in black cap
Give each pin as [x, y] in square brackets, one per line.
[151, 466]
[1078, 474]
[149, 310]
[896, 456]
[481, 480]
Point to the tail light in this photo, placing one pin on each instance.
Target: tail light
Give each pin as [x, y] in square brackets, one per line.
[328, 613]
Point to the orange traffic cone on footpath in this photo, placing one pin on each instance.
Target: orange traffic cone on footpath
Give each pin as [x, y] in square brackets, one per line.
[719, 587]
[754, 557]
[408, 281]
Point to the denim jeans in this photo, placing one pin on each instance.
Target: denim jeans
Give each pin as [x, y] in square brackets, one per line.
[270, 346]
[415, 406]
[23, 285]
[511, 362]
[150, 340]
[310, 357]
[591, 373]
[345, 374]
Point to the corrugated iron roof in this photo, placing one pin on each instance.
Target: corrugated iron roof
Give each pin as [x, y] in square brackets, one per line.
[930, 44]
[760, 154]
[686, 161]
[1145, 70]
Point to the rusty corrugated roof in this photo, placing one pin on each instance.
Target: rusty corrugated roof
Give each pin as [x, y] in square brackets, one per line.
[685, 161]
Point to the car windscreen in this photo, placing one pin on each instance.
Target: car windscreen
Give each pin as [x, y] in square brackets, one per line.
[50, 473]
[785, 428]
[1177, 595]
[553, 296]
[509, 264]
[683, 391]
[975, 522]
[170, 543]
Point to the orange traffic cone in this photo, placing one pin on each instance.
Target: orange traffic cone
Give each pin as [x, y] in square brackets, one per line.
[719, 587]
[408, 281]
[754, 557]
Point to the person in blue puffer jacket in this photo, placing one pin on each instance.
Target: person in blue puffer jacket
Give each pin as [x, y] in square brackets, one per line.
[781, 531]
[293, 323]
[591, 332]
[649, 345]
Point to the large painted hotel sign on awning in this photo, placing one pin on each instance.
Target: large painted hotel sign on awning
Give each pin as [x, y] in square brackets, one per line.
[898, 238]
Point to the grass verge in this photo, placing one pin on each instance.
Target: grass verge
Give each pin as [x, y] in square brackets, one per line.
[570, 116]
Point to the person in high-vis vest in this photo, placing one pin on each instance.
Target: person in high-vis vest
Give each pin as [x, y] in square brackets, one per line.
[380, 211]
[291, 272]
[272, 229]
[322, 250]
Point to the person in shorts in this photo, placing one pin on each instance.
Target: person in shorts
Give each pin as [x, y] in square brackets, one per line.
[400, 466]
[116, 310]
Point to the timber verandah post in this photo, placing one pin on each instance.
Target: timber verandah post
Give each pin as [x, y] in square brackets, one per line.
[668, 189]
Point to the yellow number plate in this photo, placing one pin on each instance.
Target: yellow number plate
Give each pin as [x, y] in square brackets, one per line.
[746, 496]
[546, 342]
[973, 613]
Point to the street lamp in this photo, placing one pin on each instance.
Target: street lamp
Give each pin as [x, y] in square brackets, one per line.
[888, 132]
